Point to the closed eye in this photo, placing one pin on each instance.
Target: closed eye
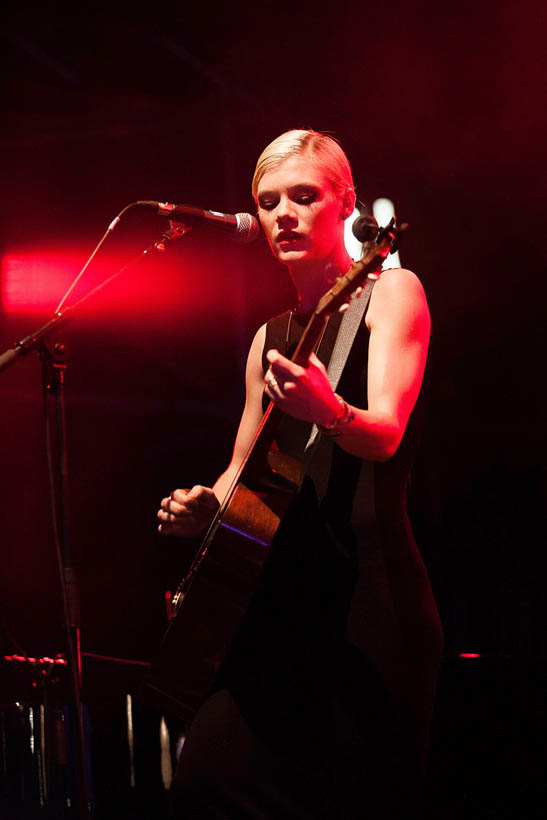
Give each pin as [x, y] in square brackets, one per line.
[306, 199]
[300, 195]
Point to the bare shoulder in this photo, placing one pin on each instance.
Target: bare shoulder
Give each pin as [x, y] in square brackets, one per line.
[398, 293]
[399, 280]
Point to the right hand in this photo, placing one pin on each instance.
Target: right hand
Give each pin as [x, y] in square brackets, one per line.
[187, 513]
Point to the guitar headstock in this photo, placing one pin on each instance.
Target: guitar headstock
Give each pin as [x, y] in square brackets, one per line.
[382, 242]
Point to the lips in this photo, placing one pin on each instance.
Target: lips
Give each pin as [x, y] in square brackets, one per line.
[288, 236]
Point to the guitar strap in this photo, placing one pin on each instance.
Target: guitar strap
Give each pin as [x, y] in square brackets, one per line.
[346, 335]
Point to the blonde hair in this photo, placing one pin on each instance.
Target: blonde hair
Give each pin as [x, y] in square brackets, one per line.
[325, 152]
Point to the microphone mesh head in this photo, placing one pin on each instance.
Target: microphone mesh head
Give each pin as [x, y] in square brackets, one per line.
[247, 228]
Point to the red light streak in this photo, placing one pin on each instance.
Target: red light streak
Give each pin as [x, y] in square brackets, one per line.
[42, 661]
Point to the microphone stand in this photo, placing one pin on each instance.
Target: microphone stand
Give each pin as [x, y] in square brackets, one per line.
[54, 366]
[53, 370]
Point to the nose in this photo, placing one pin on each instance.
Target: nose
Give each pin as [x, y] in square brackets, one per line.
[286, 212]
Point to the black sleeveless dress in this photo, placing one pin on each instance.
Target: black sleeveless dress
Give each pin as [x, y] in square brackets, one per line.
[323, 706]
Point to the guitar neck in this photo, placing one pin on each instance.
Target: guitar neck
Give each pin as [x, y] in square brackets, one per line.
[273, 415]
[310, 339]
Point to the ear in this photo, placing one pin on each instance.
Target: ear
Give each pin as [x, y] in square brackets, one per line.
[348, 203]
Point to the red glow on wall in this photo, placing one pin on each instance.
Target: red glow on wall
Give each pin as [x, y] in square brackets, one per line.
[34, 281]
[138, 287]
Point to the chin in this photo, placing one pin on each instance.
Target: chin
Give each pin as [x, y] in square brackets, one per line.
[290, 255]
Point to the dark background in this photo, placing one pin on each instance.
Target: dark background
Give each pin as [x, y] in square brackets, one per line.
[439, 107]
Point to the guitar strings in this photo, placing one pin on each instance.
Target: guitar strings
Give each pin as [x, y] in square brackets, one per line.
[288, 334]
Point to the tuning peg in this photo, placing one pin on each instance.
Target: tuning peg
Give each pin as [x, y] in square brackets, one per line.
[400, 229]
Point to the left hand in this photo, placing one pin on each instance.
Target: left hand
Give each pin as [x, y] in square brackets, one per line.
[302, 392]
[187, 513]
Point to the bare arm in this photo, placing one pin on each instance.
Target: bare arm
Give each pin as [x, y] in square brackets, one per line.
[398, 319]
[252, 413]
[188, 512]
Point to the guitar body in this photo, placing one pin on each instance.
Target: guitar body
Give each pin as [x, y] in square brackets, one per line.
[213, 598]
[216, 593]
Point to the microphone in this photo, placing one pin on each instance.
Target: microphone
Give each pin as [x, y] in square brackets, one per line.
[243, 227]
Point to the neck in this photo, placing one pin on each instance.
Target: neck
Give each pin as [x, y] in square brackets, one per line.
[314, 280]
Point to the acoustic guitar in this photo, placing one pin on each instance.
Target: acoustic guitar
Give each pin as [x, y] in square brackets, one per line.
[209, 604]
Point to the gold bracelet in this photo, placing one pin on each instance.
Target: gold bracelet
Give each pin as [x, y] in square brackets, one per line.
[345, 416]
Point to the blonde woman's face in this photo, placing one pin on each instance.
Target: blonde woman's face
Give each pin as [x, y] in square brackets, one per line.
[300, 212]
